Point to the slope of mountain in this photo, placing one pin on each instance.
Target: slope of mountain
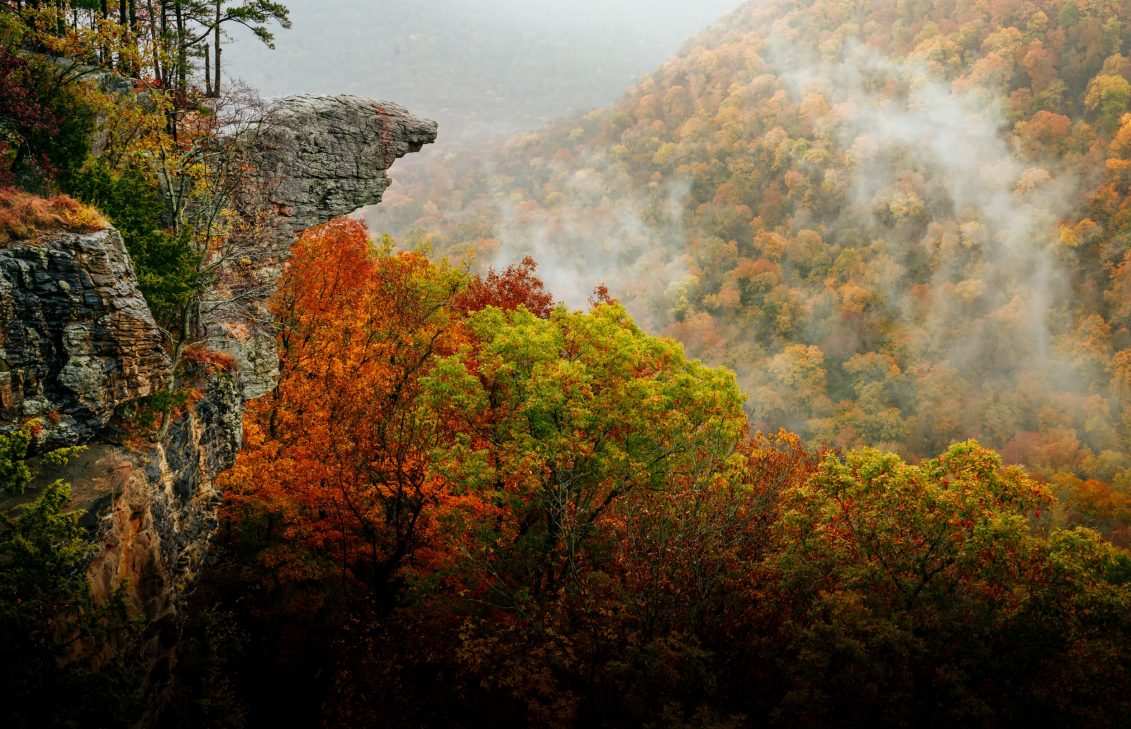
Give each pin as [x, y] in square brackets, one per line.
[902, 223]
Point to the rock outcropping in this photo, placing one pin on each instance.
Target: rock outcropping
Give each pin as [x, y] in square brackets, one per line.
[316, 158]
[76, 337]
[326, 156]
[77, 341]
[154, 508]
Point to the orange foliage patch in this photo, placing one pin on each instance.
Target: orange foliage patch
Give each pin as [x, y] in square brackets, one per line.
[24, 216]
[338, 450]
[208, 359]
[514, 287]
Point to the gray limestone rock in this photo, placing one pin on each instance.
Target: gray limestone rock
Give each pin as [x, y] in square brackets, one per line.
[154, 509]
[77, 340]
[327, 156]
[76, 337]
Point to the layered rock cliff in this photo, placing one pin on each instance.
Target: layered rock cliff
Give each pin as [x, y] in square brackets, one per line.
[76, 337]
[154, 507]
[327, 156]
[78, 342]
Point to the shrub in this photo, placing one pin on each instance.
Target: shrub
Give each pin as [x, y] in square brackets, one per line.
[166, 265]
[208, 360]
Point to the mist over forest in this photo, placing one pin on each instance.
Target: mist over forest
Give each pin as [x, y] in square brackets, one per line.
[719, 365]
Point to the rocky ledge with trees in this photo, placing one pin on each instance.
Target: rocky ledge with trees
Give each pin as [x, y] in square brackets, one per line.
[120, 398]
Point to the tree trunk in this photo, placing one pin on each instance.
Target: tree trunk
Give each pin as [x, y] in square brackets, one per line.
[216, 39]
[208, 72]
[107, 60]
[153, 37]
[182, 52]
[131, 24]
[166, 49]
[126, 41]
[168, 75]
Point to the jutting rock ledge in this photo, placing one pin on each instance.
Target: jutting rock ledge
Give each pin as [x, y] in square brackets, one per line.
[328, 155]
[317, 158]
[78, 342]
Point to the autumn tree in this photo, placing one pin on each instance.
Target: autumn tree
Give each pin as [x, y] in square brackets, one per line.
[337, 453]
[562, 418]
[515, 286]
[561, 425]
[1108, 96]
[932, 582]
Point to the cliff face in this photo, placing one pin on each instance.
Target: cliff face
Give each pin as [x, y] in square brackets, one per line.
[153, 508]
[76, 337]
[77, 341]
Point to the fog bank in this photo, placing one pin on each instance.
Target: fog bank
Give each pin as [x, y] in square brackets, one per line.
[476, 66]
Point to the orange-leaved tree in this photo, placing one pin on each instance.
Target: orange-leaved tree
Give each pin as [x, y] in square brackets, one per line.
[516, 286]
[335, 458]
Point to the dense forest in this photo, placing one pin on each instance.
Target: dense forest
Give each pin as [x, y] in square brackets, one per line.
[901, 224]
[562, 521]
[810, 405]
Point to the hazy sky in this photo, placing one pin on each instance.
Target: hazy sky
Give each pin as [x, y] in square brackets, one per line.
[476, 66]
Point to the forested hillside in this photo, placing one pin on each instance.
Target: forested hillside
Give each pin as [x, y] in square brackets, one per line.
[557, 519]
[901, 223]
[810, 407]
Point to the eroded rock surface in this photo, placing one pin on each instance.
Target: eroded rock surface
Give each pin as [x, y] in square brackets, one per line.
[154, 509]
[76, 336]
[77, 340]
[327, 156]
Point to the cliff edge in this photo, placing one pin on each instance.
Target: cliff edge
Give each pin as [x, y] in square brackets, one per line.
[76, 337]
[327, 156]
[316, 158]
[77, 342]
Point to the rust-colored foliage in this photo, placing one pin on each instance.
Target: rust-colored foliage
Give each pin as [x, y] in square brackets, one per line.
[24, 215]
[21, 113]
[1095, 504]
[515, 286]
[563, 521]
[207, 359]
[337, 452]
